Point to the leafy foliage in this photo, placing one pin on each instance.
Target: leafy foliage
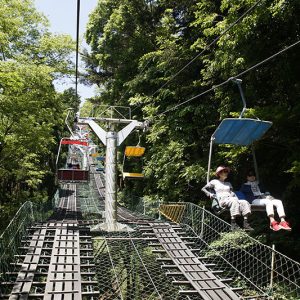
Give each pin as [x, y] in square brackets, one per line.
[229, 241]
[31, 111]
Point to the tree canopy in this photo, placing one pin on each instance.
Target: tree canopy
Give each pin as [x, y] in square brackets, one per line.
[31, 111]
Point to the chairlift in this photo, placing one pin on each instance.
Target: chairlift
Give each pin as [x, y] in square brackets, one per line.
[237, 131]
[132, 152]
[96, 154]
[69, 141]
[73, 170]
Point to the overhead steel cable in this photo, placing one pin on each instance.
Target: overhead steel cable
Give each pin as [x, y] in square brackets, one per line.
[206, 48]
[209, 45]
[77, 47]
[228, 80]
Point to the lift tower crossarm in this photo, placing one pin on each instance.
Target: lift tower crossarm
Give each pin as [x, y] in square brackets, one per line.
[101, 133]
[123, 134]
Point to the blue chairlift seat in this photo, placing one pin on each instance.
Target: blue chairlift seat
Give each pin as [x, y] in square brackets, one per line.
[100, 158]
[218, 210]
[241, 131]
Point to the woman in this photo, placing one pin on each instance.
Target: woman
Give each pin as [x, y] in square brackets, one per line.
[227, 197]
[256, 195]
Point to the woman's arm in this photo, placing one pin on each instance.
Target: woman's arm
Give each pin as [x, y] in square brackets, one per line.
[206, 189]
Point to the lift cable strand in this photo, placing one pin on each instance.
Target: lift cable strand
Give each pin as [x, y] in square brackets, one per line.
[77, 47]
[228, 80]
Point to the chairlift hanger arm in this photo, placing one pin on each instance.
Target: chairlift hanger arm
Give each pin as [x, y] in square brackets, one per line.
[66, 121]
[239, 84]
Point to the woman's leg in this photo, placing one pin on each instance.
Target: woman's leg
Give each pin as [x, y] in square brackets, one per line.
[270, 211]
[233, 204]
[280, 210]
[245, 207]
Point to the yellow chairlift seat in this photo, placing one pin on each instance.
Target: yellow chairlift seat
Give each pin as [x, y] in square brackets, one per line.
[95, 154]
[134, 151]
[128, 175]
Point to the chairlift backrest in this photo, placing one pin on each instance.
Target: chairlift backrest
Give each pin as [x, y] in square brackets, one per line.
[95, 154]
[100, 158]
[72, 175]
[134, 151]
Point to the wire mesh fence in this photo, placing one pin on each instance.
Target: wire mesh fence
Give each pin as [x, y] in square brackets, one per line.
[130, 265]
[11, 238]
[145, 207]
[91, 204]
[128, 268]
[257, 268]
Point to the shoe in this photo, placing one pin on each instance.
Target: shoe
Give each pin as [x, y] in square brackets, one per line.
[275, 226]
[285, 225]
[247, 226]
[234, 226]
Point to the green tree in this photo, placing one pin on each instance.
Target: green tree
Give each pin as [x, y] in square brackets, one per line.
[31, 111]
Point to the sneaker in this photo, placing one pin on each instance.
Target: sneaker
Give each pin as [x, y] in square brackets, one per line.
[285, 225]
[247, 226]
[234, 226]
[275, 226]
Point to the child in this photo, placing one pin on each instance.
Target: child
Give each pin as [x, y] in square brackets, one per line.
[256, 195]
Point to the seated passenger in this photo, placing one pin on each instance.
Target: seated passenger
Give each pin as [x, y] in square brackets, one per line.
[227, 198]
[256, 195]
